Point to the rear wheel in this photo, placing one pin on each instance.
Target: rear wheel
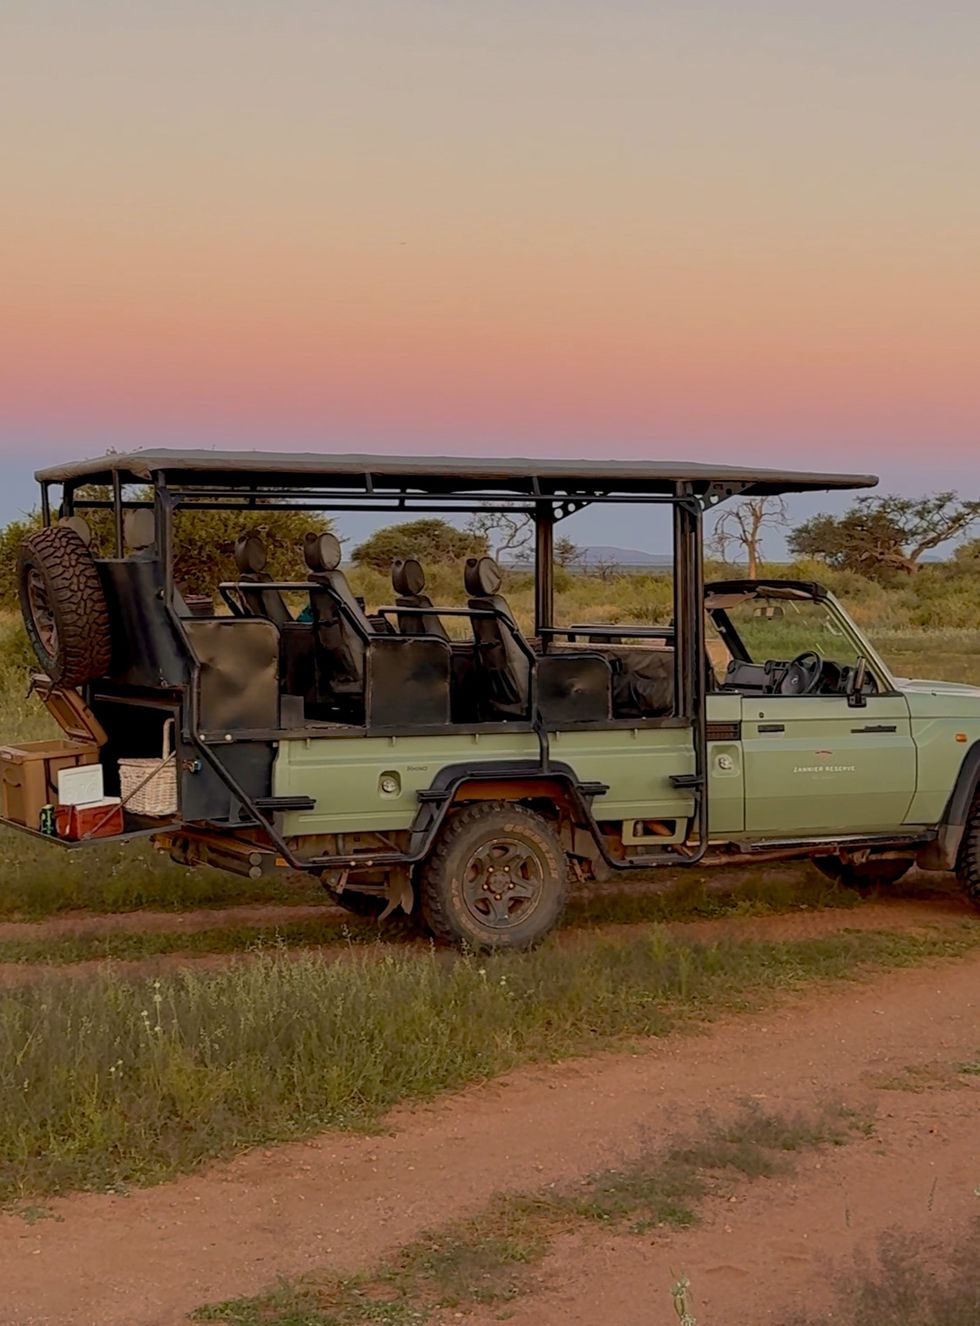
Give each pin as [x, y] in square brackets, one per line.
[864, 874]
[497, 878]
[968, 866]
[64, 607]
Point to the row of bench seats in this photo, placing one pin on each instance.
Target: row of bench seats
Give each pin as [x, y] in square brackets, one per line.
[347, 665]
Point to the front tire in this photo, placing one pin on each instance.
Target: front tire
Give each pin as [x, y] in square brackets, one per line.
[866, 875]
[968, 865]
[497, 878]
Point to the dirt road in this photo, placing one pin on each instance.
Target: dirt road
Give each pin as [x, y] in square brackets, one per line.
[148, 1258]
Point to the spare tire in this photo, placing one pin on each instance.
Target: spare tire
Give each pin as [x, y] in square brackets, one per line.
[64, 607]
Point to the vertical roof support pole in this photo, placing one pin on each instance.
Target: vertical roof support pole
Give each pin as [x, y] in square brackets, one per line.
[544, 567]
[117, 511]
[163, 504]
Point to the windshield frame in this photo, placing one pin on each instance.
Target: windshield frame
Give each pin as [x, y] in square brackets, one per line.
[798, 591]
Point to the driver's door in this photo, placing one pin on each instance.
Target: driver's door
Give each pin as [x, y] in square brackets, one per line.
[814, 765]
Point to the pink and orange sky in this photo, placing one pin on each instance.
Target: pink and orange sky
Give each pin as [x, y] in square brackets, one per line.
[620, 227]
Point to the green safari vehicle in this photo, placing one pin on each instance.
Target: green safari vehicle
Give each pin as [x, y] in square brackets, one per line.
[437, 757]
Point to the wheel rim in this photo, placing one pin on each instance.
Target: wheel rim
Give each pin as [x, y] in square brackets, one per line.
[503, 882]
[41, 613]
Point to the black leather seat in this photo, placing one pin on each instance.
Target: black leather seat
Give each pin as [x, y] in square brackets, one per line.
[341, 628]
[503, 668]
[251, 560]
[408, 582]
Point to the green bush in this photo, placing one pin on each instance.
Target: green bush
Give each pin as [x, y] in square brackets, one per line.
[428, 540]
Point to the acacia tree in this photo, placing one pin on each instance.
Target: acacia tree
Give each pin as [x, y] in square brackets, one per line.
[882, 534]
[429, 539]
[742, 527]
[566, 552]
[507, 533]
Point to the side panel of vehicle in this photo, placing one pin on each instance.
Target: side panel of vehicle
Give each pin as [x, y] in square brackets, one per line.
[372, 783]
[814, 765]
[725, 766]
[945, 725]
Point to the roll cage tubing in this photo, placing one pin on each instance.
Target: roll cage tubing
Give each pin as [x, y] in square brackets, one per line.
[545, 509]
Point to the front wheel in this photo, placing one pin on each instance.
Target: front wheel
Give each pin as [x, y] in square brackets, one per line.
[866, 874]
[968, 865]
[497, 878]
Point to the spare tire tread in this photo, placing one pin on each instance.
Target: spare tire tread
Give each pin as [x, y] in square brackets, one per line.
[77, 602]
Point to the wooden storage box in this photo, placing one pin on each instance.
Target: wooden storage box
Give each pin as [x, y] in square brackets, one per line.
[29, 775]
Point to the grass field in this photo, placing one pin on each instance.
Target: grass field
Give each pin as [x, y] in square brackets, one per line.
[113, 1082]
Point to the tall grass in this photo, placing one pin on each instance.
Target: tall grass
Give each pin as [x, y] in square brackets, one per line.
[108, 1082]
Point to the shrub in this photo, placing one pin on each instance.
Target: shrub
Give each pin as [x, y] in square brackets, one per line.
[431, 540]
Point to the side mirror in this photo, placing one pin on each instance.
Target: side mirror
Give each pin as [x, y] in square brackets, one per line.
[856, 697]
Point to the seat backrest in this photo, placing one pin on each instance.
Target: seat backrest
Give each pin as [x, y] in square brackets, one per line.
[339, 622]
[251, 560]
[505, 668]
[408, 582]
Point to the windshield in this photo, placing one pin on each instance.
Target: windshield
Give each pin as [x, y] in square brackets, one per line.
[782, 628]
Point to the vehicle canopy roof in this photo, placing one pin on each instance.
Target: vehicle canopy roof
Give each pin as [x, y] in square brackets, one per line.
[440, 474]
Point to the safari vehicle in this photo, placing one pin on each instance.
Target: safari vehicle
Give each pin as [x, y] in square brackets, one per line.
[434, 756]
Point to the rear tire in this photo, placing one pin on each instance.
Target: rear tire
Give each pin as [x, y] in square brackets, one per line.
[968, 865]
[497, 878]
[64, 607]
[867, 875]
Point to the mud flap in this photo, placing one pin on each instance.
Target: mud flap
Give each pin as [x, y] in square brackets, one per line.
[399, 892]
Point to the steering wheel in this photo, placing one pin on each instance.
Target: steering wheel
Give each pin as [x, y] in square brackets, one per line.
[802, 675]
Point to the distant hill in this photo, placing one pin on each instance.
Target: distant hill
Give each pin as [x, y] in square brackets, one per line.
[603, 554]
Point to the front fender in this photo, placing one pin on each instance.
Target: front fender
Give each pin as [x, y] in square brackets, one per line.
[943, 853]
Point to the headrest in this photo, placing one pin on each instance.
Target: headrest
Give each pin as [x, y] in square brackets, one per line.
[407, 576]
[81, 527]
[139, 528]
[250, 555]
[482, 576]
[321, 551]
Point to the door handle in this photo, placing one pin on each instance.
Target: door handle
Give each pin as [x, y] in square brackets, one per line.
[772, 727]
[877, 727]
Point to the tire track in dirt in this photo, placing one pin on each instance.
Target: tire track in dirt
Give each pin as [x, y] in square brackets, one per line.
[150, 922]
[764, 1253]
[342, 1201]
[899, 915]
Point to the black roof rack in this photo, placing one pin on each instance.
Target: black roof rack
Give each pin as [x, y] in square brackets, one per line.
[435, 474]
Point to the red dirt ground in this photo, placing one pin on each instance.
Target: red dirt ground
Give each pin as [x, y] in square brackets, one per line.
[341, 1201]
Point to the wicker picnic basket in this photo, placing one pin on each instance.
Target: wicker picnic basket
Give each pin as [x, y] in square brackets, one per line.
[148, 786]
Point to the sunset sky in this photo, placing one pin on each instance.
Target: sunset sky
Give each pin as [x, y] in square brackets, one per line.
[724, 229]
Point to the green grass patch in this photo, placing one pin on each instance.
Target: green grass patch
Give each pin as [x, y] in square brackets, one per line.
[762, 892]
[687, 900]
[111, 1082]
[126, 946]
[38, 880]
[486, 1259]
